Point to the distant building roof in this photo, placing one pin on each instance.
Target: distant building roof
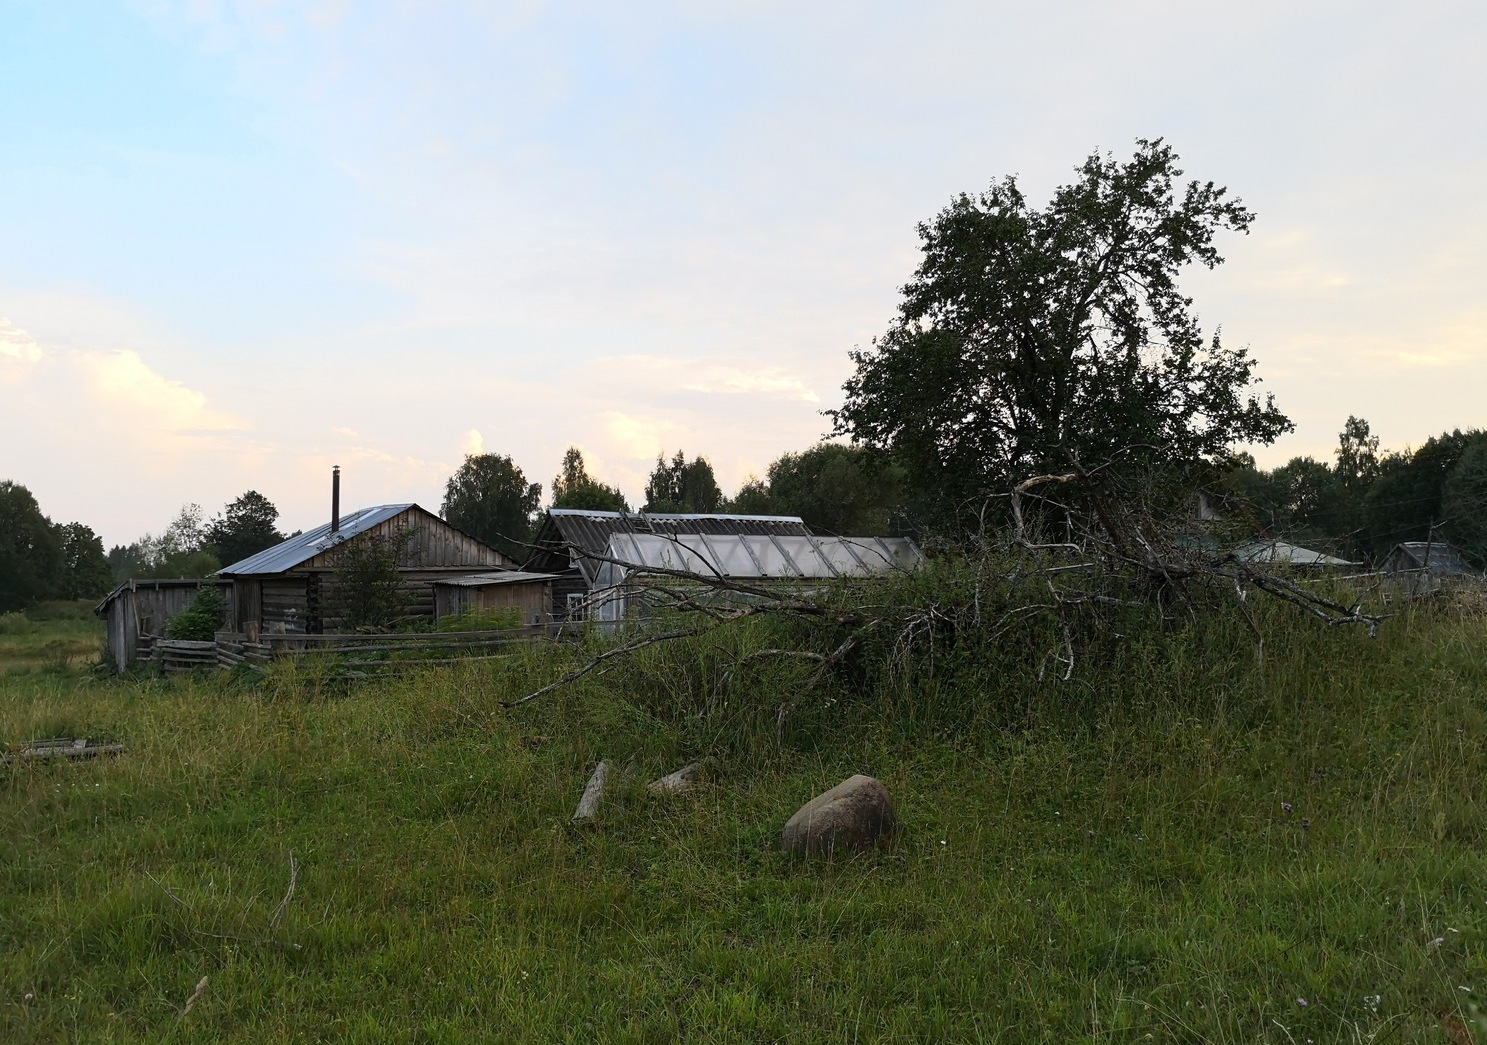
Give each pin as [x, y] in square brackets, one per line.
[1280, 553]
[291, 553]
[567, 534]
[487, 580]
[1436, 556]
[756, 556]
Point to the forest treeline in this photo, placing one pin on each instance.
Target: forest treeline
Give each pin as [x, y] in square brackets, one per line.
[1364, 502]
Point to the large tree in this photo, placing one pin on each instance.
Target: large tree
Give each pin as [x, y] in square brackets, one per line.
[245, 527]
[490, 499]
[30, 550]
[1057, 339]
[574, 487]
[836, 489]
[85, 571]
[683, 486]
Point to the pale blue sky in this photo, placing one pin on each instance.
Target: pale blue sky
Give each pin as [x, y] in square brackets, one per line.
[240, 242]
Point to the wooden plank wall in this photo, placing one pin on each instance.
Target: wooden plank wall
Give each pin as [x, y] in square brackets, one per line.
[434, 545]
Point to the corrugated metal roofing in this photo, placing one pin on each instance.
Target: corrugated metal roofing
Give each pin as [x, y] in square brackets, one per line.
[289, 554]
[756, 556]
[486, 580]
[590, 531]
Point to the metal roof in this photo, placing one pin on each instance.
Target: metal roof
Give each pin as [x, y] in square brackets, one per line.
[1280, 553]
[757, 556]
[567, 533]
[289, 554]
[486, 580]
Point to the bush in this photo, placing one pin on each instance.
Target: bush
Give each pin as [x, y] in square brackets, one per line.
[199, 622]
[15, 623]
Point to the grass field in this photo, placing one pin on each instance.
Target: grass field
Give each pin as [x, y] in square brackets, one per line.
[1194, 844]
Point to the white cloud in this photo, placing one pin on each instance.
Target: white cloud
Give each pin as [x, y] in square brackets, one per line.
[19, 352]
[708, 377]
[473, 444]
[122, 381]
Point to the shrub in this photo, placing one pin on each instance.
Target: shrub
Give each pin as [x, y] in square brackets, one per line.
[15, 623]
[199, 621]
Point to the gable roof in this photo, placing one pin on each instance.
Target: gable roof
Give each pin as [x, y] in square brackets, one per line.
[297, 550]
[1435, 556]
[567, 533]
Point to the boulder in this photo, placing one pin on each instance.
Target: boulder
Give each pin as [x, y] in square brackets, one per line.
[854, 815]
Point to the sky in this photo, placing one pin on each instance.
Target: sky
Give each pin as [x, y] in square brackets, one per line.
[242, 242]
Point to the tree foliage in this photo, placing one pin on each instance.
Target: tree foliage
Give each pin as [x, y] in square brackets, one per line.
[30, 550]
[85, 572]
[837, 489]
[682, 486]
[490, 499]
[245, 527]
[574, 487]
[369, 594]
[1034, 340]
[1464, 502]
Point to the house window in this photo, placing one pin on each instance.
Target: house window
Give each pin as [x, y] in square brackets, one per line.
[578, 606]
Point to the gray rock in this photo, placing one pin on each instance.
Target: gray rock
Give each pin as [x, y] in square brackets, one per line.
[684, 779]
[593, 793]
[854, 815]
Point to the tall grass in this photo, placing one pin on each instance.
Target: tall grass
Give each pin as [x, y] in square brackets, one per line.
[1184, 841]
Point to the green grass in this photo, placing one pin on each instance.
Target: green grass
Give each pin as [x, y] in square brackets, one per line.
[52, 637]
[1106, 860]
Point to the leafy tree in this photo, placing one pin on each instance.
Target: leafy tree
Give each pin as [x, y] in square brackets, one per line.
[490, 499]
[30, 550]
[1357, 456]
[574, 487]
[752, 499]
[1464, 502]
[181, 550]
[836, 489]
[1407, 498]
[245, 528]
[84, 570]
[683, 486]
[1031, 341]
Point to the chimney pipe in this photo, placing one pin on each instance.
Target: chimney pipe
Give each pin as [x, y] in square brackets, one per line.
[335, 499]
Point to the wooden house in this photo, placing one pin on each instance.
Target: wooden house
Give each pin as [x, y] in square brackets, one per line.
[291, 588]
[135, 614]
[572, 544]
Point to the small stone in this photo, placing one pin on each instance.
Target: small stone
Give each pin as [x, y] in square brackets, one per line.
[684, 779]
[855, 814]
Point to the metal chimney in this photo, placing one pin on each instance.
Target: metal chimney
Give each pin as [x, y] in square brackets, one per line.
[335, 499]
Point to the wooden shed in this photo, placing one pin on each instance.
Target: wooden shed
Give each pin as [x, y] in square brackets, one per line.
[136, 611]
[528, 593]
[291, 588]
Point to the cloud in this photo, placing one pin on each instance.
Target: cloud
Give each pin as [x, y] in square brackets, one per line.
[474, 443]
[707, 377]
[19, 352]
[121, 380]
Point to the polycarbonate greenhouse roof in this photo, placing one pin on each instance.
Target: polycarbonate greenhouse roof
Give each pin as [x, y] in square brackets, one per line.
[756, 556]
